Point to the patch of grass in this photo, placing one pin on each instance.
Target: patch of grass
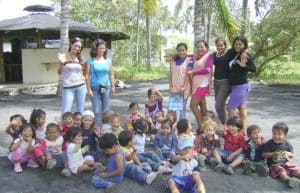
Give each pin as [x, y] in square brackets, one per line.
[140, 73]
[287, 73]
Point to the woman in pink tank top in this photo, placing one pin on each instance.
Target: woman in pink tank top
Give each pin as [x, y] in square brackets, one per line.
[201, 80]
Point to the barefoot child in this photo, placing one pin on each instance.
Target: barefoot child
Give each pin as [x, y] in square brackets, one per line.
[22, 149]
[113, 174]
[278, 152]
[133, 168]
[183, 177]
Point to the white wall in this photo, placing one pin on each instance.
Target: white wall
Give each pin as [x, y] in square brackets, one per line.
[40, 65]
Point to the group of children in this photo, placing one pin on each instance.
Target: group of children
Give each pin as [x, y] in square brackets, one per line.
[73, 145]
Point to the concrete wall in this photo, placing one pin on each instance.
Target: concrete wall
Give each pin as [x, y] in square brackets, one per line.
[40, 65]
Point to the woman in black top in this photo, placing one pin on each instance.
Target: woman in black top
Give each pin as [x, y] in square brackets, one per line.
[238, 80]
[221, 77]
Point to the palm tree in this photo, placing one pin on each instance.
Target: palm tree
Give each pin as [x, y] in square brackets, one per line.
[244, 14]
[221, 13]
[149, 7]
[138, 34]
[64, 36]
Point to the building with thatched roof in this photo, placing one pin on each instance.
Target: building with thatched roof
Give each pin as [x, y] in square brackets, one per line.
[29, 45]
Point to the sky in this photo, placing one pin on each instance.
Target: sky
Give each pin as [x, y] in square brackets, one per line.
[14, 8]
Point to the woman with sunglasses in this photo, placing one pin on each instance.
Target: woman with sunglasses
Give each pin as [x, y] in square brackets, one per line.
[100, 78]
[72, 71]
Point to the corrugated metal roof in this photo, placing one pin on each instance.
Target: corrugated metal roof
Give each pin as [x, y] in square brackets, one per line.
[45, 21]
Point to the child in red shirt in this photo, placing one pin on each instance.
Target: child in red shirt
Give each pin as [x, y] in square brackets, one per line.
[233, 147]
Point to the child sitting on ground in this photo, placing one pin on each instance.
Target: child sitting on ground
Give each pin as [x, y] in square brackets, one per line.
[140, 127]
[75, 153]
[165, 141]
[278, 152]
[184, 131]
[22, 148]
[133, 168]
[113, 174]
[116, 124]
[37, 119]
[209, 143]
[134, 114]
[50, 150]
[184, 177]
[171, 115]
[68, 121]
[13, 129]
[105, 122]
[254, 162]
[89, 136]
[154, 103]
[233, 146]
[77, 119]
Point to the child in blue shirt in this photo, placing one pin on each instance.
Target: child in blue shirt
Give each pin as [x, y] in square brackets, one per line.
[165, 141]
[134, 168]
[184, 177]
[111, 175]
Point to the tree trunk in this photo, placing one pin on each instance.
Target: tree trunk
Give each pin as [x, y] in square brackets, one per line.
[138, 34]
[208, 27]
[148, 41]
[64, 36]
[198, 26]
[244, 14]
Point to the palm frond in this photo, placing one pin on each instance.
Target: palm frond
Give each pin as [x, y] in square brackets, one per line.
[178, 8]
[224, 18]
[149, 7]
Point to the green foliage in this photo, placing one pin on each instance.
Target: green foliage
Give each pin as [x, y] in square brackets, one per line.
[277, 33]
[283, 71]
[130, 72]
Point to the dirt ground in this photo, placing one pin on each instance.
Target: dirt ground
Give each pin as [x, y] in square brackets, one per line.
[267, 104]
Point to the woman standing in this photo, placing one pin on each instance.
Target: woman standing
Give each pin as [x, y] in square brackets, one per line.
[72, 71]
[178, 78]
[238, 80]
[100, 78]
[200, 80]
[221, 78]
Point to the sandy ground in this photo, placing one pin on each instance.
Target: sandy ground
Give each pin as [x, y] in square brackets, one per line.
[267, 104]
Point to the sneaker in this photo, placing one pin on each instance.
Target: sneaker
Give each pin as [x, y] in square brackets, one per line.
[32, 164]
[201, 160]
[110, 188]
[17, 167]
[51, 163]
[219, 168]
[248, 168]
[164, 169]
[151, 177]
[228, 170]
[66, 172]
[261, 169]
[213, 162]
[293, 183]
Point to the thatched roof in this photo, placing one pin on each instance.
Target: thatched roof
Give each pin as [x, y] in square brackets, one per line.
[46, 22]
